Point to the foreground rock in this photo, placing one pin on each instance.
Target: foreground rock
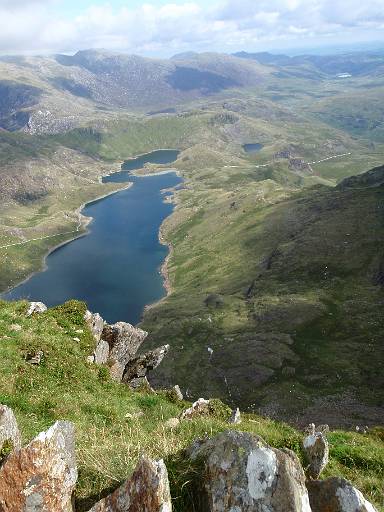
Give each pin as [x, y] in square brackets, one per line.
[41, 477]
[243, 474]
[138, 367]
[316, 450]
[336, 495]
[10, 438]
[146, 491]
[124, 340]
[36, 307]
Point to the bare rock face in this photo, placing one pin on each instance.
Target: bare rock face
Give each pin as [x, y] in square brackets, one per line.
[198, 408]
[146, 491]
[124, 340]
[336, 495]
[316, 450]
[41, 477]
[95, 323]
[138, 367]
[10, 438]
[36, 307]
[243, 474]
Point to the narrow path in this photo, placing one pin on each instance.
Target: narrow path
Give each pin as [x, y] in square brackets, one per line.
[329, 158]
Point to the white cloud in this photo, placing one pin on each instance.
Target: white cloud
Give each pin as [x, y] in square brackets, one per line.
[40, 26]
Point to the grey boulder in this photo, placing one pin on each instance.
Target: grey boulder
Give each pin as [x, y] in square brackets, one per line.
[243, 474]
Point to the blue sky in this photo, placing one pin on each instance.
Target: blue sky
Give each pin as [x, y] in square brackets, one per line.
[165, 27]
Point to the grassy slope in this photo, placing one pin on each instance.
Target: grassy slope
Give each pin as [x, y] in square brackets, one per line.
[64, 386]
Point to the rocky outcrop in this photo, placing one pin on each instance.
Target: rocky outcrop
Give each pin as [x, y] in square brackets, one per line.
[336, 495]
[146, 491]
[316, 450]
[36, 307]
[242, 473]
[116, 346]
[95, 323]
[10, 438]
[41, 477]
[138, 367]
[124, 340]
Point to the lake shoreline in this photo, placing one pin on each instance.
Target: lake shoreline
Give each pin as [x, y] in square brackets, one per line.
[168, 187]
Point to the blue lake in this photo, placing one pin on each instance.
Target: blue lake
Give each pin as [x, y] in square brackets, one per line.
[115, 269]
[252, 148]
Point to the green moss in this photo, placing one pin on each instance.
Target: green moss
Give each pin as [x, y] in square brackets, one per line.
[6, 449]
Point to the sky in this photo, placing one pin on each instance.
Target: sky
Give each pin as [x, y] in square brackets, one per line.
[165, 27]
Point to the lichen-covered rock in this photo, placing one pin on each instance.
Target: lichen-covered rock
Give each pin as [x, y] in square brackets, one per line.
[41, 477]
[138, 367]
[316, 451]
[124, 340]
[176, 392]
[198, 408]
[146, 491]
[10, 438]
[95, 323]
[235, 417]
[36, 307]
[101, 353]
[243, 474]
[336, 495]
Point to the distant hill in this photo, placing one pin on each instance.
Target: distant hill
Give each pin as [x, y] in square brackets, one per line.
[356, 63]
[57, 91]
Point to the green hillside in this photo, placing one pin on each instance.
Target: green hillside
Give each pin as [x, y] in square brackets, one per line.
[286, 288]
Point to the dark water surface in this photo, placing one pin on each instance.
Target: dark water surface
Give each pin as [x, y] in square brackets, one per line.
[115, 268]
[161, 156]
[252, 148]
